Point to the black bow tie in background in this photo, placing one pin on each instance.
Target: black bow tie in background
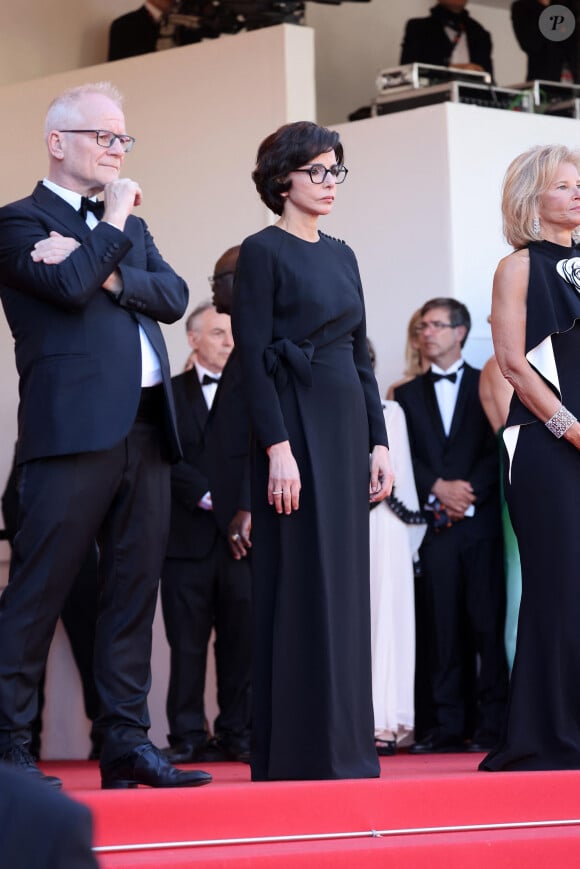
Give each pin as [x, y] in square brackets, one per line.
[97, 207]
[206, 379]
[434, 377]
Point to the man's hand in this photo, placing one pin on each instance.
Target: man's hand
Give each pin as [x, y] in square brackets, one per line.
[239, 531]
[54, 249]
[456, 495]
[114, 283]
[121, 197]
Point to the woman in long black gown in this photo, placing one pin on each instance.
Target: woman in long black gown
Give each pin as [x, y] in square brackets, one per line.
[299, 326]
[536, 334]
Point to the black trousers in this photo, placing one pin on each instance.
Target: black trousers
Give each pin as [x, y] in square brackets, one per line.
[79, 617]
[461, 675]
[120, 497]
[198, 595]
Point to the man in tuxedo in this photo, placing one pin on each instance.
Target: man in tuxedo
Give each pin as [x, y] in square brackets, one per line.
[96, 429]
[460, 596]
[448, 37]
[205, 582]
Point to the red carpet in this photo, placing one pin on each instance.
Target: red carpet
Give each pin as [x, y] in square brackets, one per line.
[423, 812]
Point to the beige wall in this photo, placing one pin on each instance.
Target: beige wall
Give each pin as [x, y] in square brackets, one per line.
[353, 42]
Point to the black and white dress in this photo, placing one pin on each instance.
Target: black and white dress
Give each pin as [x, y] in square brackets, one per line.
[542, 729]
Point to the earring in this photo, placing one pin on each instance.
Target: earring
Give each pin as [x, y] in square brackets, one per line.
[536, 225]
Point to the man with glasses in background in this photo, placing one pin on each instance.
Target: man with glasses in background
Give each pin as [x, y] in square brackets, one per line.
[461, 675]
[96, 429]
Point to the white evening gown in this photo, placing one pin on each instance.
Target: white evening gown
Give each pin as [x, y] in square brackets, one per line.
[393, 546]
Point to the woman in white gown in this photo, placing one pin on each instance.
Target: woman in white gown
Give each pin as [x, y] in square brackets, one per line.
[393, 548]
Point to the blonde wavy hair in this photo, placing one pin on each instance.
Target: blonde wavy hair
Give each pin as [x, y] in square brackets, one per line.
[527, 177]
[413, 365]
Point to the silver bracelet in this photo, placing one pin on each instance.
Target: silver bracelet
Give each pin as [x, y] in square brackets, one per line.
[560, 422]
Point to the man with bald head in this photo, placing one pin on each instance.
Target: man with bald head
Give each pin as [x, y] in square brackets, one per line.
[96, 429]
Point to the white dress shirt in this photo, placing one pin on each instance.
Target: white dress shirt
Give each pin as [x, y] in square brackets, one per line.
[210, 389]
[446, 392]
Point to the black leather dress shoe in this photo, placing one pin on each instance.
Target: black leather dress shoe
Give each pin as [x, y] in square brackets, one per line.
[219, 749]
[184, 751]
[145, 765]
[437, 744]
[19, 756]
[482, 743]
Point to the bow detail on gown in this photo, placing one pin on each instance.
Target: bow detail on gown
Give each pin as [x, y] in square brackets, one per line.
[284, 356]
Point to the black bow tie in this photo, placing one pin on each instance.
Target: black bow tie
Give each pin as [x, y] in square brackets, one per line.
[97, 207]
[434, 377]
[206, 379]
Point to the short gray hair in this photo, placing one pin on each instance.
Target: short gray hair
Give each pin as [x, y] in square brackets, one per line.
[192, 322]
[62, 109]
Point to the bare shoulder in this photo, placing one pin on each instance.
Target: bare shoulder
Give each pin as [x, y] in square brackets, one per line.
[516, 264]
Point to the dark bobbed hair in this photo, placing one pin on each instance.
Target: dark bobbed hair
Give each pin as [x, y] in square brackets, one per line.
[458, 313]
[289, 148]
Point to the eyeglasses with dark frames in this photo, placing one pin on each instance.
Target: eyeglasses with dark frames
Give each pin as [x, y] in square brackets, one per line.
[318, 173]
[106, 139]
[436, 325]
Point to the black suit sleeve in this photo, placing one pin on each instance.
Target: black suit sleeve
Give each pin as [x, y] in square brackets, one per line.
[188, 485]
[425, 475]
[411, 46]
[484, 477]
[525, 25]
[253, 326]
[150, 285]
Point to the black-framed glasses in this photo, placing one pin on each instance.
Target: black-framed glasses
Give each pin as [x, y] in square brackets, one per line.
[106, 139]
[318, 173]
[221, 276]
[436, 325]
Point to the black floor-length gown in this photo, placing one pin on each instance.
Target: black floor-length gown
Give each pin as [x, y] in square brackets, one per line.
[299, 328]
[542, 729]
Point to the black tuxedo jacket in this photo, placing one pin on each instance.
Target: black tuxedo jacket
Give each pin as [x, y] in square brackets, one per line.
[77, 347]
[132, 34]
[192, 530]
[470, 450]
[425, 41]
[228, 445]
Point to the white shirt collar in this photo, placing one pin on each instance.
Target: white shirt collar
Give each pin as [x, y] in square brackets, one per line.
[452, 368]
[71, 196]
[201, 371]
